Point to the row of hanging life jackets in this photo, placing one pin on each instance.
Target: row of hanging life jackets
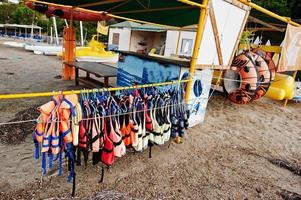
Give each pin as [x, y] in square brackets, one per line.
[106, 125]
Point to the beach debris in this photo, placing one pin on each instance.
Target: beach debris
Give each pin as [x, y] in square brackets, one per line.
[58, 77]
[287, 195]
[109, 195]
[294, 168]
[16, 133]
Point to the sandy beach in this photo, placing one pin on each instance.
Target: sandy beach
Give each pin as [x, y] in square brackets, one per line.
[227, 157]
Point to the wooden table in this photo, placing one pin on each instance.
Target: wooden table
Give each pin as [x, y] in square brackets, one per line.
[98, 69]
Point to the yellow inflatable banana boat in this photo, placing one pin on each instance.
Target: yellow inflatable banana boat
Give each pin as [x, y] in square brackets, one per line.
[95, 52]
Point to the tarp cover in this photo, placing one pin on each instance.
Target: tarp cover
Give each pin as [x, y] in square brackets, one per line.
[290, 56]
[166, 12]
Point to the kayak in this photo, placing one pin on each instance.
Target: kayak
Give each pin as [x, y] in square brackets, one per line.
[44, 49]
[15, 44]
[66, 12]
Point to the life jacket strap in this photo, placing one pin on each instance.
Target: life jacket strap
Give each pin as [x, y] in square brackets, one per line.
[66, 133]
[126, 136]
[37, 147]
[108, 150]
[55, 137]
[49, 140]
[39, 134]
[117, 143]
[50, 157]
[71, 107]
[167, 130]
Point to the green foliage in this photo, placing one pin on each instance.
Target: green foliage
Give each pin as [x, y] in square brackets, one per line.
[22, 15]
[280, 7]
[5, 12]
[246, 37]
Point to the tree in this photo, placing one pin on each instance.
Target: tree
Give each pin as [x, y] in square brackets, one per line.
[22, 15]
[6, 10]
[278, 6]
[295, 7]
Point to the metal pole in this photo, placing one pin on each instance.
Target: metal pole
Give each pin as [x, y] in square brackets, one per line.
[31, 33]
[267, 12]
[46, 94]
[66, 23]
[51, 39]
[55, 31]
[197, 44]
[81, 33]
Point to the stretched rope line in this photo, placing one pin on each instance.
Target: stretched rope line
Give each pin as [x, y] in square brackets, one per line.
[84, 119]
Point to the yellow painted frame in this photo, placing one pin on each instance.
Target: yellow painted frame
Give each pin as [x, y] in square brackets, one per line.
[203, 10]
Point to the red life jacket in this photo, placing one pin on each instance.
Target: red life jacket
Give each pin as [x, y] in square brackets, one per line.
[82, 136]
[148, 120]
[107, 154]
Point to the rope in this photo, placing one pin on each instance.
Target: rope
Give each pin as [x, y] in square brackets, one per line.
[85, 119]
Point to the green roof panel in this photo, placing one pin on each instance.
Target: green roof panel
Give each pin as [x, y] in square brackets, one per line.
[166, 12]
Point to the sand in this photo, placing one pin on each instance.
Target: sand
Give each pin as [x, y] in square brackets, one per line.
[224, 158]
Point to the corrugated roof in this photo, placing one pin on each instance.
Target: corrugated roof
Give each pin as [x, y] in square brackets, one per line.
[126, 24]
[139, 27]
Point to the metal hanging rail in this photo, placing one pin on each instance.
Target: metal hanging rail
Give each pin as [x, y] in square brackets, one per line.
[270, 13]
[46, 94]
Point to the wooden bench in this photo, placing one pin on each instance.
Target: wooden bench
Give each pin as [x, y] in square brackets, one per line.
[98, 69]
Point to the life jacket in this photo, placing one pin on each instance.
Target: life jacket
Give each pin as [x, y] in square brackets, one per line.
[125, 128]
[138, 118]
[49, 145]
[133, 128]
[96, 133]
[148, 120]
[156, 135]
[46, 145]
[145, 134]
[174, 132]
[181, 124]
[75, 124]
[84, 129]
[119, 146]
[67, 108]
[55, 135]
[45, 111]
[166, 116]
[107, 154]
[82, 136]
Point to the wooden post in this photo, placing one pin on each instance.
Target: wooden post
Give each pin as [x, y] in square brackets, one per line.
[294, 76]
[69, 52]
